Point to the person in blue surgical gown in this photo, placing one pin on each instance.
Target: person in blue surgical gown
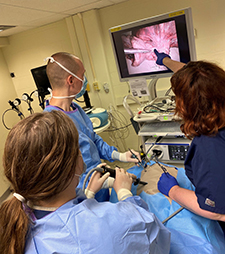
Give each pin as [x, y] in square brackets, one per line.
[66, 76]
[48, 214]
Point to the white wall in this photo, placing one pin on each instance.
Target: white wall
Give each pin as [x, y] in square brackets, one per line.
[7, 92]
[28, 49]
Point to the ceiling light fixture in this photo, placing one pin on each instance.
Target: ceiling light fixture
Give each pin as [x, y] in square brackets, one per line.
[3, 27]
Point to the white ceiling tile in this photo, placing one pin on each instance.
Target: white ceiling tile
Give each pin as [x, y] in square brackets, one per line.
[26, 14]
[19, 16]
[91, 6]
[118, 1]
[49, 5]
[47, 20]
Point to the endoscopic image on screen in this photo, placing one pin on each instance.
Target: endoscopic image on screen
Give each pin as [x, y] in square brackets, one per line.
[139, 46]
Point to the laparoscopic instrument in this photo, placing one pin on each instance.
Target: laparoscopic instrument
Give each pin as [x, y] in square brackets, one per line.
[139, 162]
[155, 158]
[135, 51]
[112, 172]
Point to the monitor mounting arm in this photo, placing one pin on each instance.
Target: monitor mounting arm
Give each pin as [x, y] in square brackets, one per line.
[152, 89]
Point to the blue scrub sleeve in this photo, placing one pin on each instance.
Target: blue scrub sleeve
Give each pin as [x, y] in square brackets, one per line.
[204, 167]
[104, 150]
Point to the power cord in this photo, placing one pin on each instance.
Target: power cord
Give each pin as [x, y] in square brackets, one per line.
[86, 178]
[118, 129]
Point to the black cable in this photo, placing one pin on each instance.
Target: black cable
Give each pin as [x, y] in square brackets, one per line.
[30, 109]
[168, 91]
[145, 109]
[157, 140]
[3, 118]
[20, 114]
[41, 94]
[41, 101]
[30, 100]
[116, 129]
[79, 101]
[33, 93]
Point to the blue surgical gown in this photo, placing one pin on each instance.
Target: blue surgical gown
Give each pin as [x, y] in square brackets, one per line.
[87, 226]
[92, 146]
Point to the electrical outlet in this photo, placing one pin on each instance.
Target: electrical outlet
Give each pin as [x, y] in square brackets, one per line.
[106, 87]
[96, 86]
[88, 87]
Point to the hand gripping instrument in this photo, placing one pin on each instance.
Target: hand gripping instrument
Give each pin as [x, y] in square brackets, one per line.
[112, 172]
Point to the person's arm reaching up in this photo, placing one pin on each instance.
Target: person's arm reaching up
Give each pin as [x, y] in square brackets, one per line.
[164, 59]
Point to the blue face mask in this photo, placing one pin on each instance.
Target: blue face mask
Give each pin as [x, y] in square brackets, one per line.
[83, 88]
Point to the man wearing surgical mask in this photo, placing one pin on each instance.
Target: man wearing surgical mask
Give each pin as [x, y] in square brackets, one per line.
[66, 75]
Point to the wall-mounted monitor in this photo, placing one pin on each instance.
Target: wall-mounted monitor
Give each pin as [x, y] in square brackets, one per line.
[134, 44]
[41, 80]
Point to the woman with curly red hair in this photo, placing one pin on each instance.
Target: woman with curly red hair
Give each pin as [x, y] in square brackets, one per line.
[199, 89]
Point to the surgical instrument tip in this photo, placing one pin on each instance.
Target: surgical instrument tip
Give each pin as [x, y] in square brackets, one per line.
[160, 165]
[134, 51]
[135, 156]
[138, 181]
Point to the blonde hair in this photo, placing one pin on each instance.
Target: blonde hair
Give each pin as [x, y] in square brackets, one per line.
[39, 160]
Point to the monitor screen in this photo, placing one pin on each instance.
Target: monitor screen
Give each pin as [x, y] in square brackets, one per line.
[41, 80]
[134, 44]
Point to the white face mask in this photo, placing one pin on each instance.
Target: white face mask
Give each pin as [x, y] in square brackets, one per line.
[84, 170]
[84, 81]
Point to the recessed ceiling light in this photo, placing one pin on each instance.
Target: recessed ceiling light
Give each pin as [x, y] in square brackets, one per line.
[3, 28]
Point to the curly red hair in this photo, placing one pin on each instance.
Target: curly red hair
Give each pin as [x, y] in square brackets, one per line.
[199, 88]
